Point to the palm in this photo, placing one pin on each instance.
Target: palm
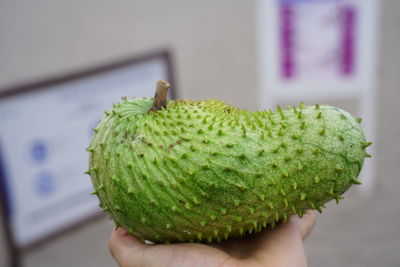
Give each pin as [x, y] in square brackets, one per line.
[186, 254]
[280, 247]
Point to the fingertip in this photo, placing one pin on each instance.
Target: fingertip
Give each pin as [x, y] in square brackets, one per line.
[120, 231]
[121, 240]
[311, 213]
[306, 223]
[121, 236]
[309, 217]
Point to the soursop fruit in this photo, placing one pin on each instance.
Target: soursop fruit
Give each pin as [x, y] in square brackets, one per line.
[204, 171]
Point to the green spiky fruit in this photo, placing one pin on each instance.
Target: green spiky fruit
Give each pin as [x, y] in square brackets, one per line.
[205, 171]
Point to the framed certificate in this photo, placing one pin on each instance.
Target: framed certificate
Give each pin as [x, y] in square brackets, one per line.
[44, 130]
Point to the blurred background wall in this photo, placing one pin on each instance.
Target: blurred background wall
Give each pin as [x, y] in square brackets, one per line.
[214, 49]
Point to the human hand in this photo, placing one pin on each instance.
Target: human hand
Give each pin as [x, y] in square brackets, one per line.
[281, 247]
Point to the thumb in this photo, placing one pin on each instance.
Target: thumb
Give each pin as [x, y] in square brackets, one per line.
[283, 246]
[125, 247]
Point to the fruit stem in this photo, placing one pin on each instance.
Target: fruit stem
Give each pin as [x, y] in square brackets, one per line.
[160, 97]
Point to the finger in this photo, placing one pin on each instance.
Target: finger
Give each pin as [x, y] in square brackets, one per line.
[306, 223]
[124, 247]
[242, 248]
[284, 245]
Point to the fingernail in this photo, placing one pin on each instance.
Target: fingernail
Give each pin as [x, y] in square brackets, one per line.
[121, 231]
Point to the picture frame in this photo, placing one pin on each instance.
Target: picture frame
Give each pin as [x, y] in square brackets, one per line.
[148, 68]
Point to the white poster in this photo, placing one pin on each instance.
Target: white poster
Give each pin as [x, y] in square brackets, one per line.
[317, 40]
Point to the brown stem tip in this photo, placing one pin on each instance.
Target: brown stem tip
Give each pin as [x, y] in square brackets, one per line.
[160, 98]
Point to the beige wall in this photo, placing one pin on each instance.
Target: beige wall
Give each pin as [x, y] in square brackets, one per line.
[215, 57]
[213, 43]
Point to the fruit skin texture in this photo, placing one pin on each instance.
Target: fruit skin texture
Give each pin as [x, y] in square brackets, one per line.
[204, 171]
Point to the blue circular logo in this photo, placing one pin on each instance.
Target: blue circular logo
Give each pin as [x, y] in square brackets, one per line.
[45, 184]
[39, 151]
